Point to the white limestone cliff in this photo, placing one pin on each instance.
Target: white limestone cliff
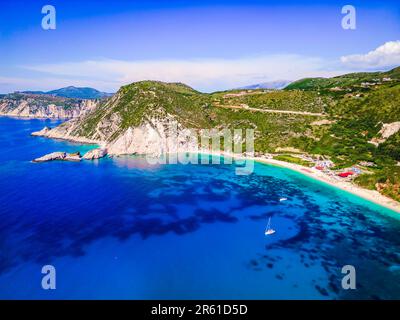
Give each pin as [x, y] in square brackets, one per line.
[29, 108]
[154, 137]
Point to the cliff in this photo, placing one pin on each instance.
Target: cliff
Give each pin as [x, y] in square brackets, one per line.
[44, 106]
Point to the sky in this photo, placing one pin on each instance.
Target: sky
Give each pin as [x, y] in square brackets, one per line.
[209, 45]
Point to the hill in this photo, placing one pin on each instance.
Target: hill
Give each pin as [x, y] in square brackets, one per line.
[347, 81]
[279, 84]
[73, 92]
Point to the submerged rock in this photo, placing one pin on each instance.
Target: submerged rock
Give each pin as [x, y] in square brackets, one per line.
[59, 156]
[95, 154]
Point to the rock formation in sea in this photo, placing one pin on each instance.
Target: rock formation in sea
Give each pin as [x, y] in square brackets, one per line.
[59, 156]
[95, 154]
[41, 132]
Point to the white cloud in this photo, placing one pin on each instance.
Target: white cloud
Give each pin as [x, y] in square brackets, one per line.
[202, 74]
[386, 55]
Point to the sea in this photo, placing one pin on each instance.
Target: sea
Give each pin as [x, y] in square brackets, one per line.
[121, 228]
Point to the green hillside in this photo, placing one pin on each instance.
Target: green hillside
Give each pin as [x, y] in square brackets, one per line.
[134, 103]
[295, 100]
[359, 113]
[347, 81]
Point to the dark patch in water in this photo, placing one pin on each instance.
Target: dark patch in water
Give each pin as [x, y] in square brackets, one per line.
[322, 290]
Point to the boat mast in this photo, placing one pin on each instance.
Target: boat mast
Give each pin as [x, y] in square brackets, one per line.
[269, 223]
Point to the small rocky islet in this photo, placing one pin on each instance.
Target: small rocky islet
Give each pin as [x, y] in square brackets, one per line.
[76, 156]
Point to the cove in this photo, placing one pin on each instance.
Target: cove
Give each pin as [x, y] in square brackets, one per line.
[120, 228]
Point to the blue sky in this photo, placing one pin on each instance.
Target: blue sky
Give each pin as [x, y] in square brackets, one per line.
[210, 45]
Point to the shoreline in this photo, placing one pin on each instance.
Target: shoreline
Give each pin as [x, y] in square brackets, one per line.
[370, 195]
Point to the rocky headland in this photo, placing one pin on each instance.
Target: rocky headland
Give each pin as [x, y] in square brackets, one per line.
[44, 106]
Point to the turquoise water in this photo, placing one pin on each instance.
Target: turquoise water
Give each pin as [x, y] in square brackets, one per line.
[119, 228]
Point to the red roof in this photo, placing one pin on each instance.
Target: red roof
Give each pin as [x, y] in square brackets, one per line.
[345, 174]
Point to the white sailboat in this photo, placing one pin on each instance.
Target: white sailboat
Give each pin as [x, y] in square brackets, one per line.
[268, 229]
[282, 199]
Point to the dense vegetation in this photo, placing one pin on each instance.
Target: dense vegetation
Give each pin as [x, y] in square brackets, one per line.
[292, 159]
[135, 103]
[347, 80]
[363, 102]
[385, 180]
[295, 100]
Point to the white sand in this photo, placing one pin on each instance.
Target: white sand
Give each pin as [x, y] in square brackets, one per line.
[371, 195]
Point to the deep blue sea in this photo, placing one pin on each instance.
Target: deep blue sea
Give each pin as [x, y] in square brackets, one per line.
[119, 228]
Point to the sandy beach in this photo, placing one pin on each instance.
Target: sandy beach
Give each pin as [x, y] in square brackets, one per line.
[370, 195]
